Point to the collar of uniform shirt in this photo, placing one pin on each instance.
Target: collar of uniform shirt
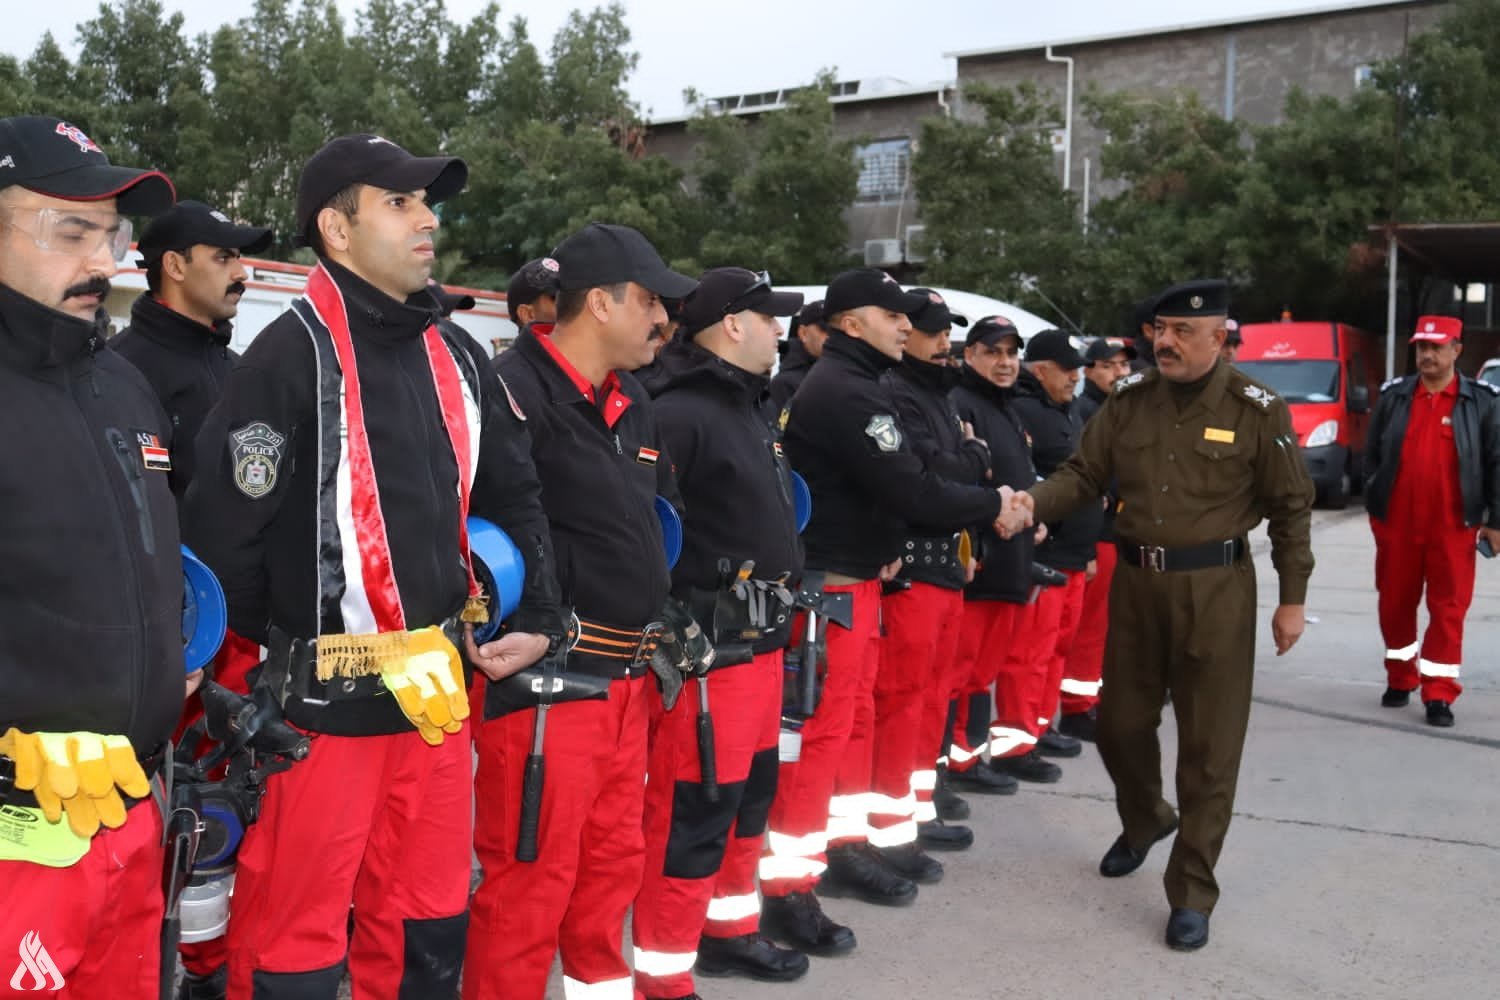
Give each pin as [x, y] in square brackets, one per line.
[1451, 389]
[615, 402]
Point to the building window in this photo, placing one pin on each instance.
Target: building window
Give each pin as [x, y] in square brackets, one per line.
[883, 168]
[1364, 76]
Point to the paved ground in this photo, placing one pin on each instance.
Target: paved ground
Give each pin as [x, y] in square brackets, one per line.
[1364, 860]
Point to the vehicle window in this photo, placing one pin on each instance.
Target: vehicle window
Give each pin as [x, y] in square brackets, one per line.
[1297, 381]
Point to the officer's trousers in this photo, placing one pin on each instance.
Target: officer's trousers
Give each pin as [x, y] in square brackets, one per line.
[379, 822]
[917, 666]
[994, 650]
[701, 855]
[1193, 634]
[1084, 664]
[573, 898]
[1439, 560]
[94, 928]
[834, 752]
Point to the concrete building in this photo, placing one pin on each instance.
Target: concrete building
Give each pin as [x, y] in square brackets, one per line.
[885, 116]
[1244, 67]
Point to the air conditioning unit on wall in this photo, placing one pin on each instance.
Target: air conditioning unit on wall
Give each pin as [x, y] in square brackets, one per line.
[916, 244]
[882, 253]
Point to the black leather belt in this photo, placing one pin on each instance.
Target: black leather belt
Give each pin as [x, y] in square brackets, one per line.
[10, 795]
[1180, 559]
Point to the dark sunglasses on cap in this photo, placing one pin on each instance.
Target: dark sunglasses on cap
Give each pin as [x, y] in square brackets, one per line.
[762, 283]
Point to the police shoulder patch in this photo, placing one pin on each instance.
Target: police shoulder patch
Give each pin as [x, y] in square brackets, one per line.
[257, 450]
[883, 430]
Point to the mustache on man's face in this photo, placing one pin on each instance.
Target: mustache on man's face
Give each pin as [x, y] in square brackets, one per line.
[94, 286]
[238, 288]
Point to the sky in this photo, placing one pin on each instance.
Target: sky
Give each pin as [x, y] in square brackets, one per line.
[723, 48]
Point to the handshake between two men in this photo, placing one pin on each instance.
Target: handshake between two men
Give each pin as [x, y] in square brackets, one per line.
[1017, 511]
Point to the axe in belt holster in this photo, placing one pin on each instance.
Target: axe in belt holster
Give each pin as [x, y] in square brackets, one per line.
[820, 608]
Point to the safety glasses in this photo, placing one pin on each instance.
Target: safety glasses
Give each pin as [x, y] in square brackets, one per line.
[762, 284]
[79, 232]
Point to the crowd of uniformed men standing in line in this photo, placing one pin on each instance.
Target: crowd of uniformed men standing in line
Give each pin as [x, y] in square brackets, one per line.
[787, 714]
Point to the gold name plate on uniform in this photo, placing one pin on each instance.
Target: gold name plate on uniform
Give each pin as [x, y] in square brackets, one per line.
[1217, 435]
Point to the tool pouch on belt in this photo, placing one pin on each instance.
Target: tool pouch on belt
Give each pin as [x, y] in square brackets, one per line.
[524, 688]
[753, 616]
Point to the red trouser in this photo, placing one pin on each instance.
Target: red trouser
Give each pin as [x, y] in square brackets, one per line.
[573, 898]
[381, 823]
[92, 929]
[1069, 614]
[1026, 682]
[701, 855]
[922, 626]
[991, 650]
[1405, 564]
[1084, 665]
[835, 754]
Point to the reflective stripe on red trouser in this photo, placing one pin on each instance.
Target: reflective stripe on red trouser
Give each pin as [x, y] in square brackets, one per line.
[97, 920]
[1442, 564]
[381, 823]
[989, 640]
[918, 621]
[572, 899]
[797, 840]
[701, 855]
[1026, 675]
[1083, 668]
[1069, 614]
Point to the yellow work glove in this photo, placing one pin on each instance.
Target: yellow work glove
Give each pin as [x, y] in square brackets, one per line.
[80, 774]
[429, 685]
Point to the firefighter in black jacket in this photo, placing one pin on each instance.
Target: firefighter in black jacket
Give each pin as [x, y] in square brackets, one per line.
[1000, 600]
[922, 609]
[1108, 361]
[804, 346]
[178, 338]
[335, 477]
[844, 437]
[180, 327]
[91, 614]
[601, 463]
[1045, 395]
[740, 556]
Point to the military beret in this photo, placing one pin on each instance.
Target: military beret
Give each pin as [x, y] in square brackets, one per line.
[1205, 297]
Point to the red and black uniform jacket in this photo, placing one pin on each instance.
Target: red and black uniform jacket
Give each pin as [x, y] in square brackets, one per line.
[1055, 429]
[187, 365]
[91, 593]
[601, 463]
[1004, 572]
[932, 424]
[844, 436]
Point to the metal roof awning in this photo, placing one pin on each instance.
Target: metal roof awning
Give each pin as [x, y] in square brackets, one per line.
[1460, 252]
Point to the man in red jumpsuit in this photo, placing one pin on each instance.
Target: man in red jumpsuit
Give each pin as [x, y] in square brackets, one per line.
[1432, 477]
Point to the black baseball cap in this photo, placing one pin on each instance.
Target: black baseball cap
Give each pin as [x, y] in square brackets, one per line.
[1104, 348]
[532, 280]
[809, 315]
[935, 316]
[1054, 346]
[374, 160]
[990, 330]
[725, 290]
[869, 286]
[55, 158]
[1204, 297]
[449, 302]
[602, 254]
[192, 223]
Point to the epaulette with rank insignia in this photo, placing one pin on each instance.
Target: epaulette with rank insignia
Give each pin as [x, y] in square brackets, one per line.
[1492, 387]
[1252, 393]
[1390, 382]
[1131, 381]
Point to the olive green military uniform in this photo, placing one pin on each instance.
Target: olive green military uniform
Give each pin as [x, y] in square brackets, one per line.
[1206, 473]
